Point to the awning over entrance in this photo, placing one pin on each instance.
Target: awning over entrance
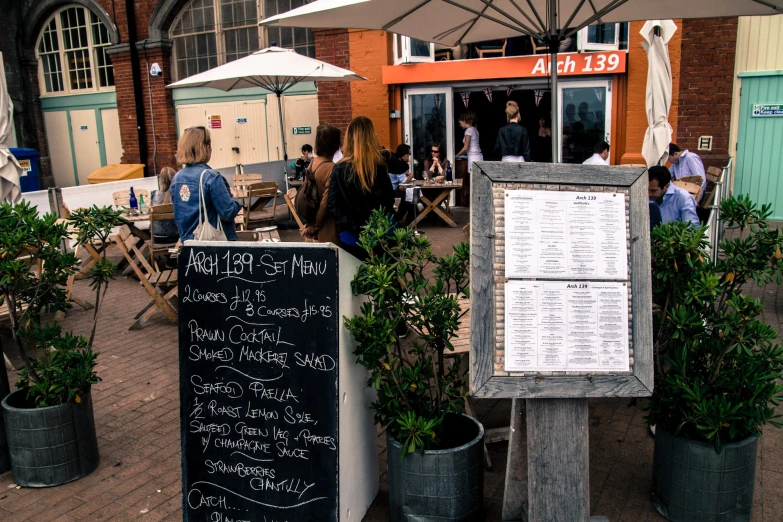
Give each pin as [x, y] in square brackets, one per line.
[533, 66]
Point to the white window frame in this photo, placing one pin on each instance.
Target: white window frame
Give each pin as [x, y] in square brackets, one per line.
[64, 71]
[606, 84]
[583, 45]
[401, 48]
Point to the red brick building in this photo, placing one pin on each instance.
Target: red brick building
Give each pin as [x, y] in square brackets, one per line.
[79, 77]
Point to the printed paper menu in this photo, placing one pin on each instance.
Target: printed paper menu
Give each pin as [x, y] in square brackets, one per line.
[566, 326]
[565, 235]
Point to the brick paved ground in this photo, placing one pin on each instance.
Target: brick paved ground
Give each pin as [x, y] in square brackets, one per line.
[137, 420]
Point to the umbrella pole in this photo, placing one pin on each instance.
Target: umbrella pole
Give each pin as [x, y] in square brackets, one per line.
[282, 129]
[554, 127]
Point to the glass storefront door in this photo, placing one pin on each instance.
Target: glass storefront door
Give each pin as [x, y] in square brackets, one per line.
[584, 119]
[428, 120]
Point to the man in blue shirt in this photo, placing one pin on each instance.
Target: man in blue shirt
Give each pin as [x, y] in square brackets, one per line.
[675, 203]
[686, 163]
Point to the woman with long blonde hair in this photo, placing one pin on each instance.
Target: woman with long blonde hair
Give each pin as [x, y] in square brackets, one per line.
[360, 183]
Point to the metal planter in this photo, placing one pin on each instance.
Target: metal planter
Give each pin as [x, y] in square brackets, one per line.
[439, 484]
[693, 483]
[50, 446]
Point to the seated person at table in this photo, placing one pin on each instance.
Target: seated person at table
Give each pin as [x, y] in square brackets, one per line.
[165, 231]
[675, 203]
[304, 161]
[436, 166]
[403, 153]
[194, 150]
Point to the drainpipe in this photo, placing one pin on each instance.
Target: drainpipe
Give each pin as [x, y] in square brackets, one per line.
[138, 96]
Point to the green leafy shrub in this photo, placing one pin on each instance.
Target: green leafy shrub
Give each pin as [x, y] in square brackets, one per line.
[416, 388]
[718, 367]
[33, 273]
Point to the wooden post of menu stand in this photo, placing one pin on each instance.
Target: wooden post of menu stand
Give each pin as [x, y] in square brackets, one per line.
[547, 477]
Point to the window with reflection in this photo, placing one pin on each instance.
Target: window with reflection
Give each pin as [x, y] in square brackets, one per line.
[208, 33]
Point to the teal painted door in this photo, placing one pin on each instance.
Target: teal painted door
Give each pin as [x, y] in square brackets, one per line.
[759, 170]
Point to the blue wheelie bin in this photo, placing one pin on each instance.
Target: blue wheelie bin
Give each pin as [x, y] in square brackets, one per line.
[28, 159]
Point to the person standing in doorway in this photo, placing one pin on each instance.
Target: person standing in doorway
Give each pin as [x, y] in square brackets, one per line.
[470, 142]
[686, 163]
[513, 143]
[600, 155]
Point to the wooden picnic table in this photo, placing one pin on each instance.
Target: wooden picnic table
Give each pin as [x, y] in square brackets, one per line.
[433, 194]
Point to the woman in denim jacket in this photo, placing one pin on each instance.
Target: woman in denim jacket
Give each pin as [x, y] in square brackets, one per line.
[194, 151]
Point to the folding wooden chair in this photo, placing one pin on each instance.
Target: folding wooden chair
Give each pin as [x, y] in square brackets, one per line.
[255, 212]
[241, 181]
[122, 197]
[289, 197]
[159, 213]
[153, 281]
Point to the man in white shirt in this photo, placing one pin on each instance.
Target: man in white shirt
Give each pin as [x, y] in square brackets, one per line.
[600, 155]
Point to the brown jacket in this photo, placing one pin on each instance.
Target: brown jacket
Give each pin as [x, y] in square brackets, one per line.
[325, 229]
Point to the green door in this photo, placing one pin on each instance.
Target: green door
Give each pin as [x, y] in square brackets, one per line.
[759, 169]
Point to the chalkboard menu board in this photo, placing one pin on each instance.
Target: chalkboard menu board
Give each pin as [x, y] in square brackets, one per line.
[258, 333]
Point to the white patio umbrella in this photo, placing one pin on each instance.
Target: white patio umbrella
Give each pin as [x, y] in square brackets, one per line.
[10, 170]
[453, 22]
[656, 34]
[274, 69]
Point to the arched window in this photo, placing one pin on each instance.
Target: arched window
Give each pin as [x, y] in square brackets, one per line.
[72, 53]
[208, 33]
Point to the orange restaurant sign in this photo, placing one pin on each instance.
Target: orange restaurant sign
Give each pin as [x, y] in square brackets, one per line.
[568, 64]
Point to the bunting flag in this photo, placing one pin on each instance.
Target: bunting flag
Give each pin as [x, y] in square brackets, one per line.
[488, 94]
[437, 101]
[599, 93]
[509, 90]
[539, 96]
[465, 98]
[569, 93]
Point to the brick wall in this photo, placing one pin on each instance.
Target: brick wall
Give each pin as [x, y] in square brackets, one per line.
[706, 86]
[369, 52]
[334, 98]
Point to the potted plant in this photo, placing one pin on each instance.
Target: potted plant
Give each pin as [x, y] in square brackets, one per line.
[718, 366]
[49, 419]
[434, 451]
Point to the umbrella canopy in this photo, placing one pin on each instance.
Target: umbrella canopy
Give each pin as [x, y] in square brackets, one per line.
[452, 22]
[10, 189]
[655, 148]
[274, 68]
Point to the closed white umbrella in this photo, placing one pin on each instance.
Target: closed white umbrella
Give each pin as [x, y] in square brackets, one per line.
[274, 69]
[454, 22]
[10, 170]
[656, 34]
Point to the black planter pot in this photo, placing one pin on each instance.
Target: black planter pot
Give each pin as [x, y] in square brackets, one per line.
[50, 446]
[693, 483]
[439, 484]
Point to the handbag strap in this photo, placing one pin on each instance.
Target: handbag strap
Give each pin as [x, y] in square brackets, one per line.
[203, 204]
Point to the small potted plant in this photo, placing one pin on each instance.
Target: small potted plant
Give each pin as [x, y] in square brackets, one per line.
[434, 451]
[718, 366]
[49, 419]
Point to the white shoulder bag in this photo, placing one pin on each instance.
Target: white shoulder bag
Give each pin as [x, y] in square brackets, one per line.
[205, 231]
